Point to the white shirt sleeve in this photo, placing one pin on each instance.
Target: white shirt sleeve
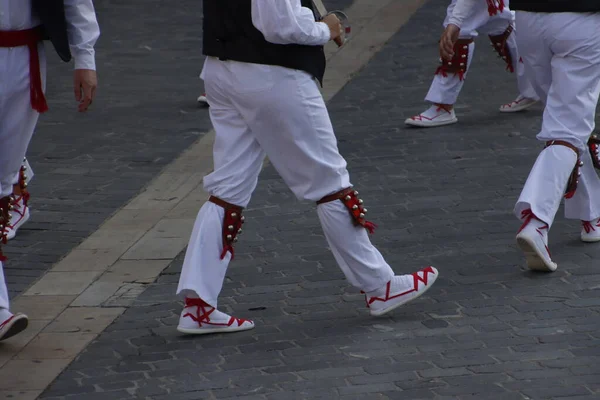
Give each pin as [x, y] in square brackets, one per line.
[462, 9]
[287, 22]
[83, 31]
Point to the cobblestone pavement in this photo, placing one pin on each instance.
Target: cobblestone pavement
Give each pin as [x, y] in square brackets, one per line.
[489, 329]
[88, 166]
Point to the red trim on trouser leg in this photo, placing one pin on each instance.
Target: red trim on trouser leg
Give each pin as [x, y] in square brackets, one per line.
[232, 224]
[203, 312]
[353, 204]
[5, 208]
[574, 178]
[499, 45]
[458, 64]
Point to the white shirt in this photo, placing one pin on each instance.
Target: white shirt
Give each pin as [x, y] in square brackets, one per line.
[82, 26]
[462, 9]
[287, 22]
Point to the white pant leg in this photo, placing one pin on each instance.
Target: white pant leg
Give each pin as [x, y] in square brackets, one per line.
[546, 183]
[287, 114]
[362, 264]
[562, 56]
[17, 122]
[17, 118]
[523, 83]
[238, 160]
[445, 89]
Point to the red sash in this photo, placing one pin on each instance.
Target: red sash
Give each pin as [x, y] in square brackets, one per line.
[30, 38]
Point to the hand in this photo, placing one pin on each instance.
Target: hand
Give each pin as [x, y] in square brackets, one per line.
[335, 27]
[448, 40]
[84, 84]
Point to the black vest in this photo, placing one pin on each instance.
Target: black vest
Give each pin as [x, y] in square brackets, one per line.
[229, 34]
[52, 16]
[556, 6]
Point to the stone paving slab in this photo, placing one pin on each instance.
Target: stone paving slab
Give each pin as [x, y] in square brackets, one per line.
[490, 329]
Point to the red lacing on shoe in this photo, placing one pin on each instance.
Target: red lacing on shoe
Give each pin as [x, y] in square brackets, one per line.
[20, 211]
[416, 280]
[515, 102]
[526, 215]
[495, 6]
[421, 117]
[539, 230]
[203, 311]
[23, 185]
[589, 227]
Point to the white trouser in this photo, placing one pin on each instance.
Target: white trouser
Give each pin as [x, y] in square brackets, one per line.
[561, 53]
[17, 122]
[259, 111]
[445, 90]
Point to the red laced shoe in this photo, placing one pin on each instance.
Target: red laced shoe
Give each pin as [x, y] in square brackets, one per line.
[590, 231]
[532, 239]
[19, 215]
[433, 116]
[400, 290]
[199, 318]
[519, 104]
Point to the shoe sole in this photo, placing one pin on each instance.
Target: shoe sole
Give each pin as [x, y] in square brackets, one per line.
[419, 294]
[535, 261]
[591, 240]
[430, 125]
[204, 331]
[517, 109]
[13, 232]
[17, 325]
